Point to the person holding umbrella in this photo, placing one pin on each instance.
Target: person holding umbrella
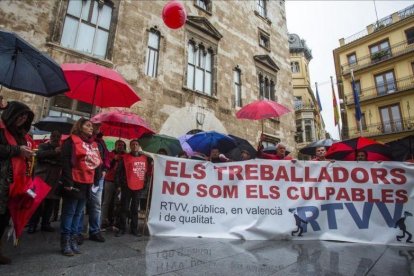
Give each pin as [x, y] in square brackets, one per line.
[80, 158]
[130, 180]
[48, 167]
[14, 153]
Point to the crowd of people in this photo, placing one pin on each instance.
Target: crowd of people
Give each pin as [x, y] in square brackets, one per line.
[111, 187]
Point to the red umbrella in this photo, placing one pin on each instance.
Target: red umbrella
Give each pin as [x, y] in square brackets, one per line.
[22, 204]
[122, 124]
[98, 85]
[346, 150]
[262, 109]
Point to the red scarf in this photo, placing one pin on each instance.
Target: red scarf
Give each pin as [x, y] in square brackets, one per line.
[135, 169]
[87, 159]
[21, 177]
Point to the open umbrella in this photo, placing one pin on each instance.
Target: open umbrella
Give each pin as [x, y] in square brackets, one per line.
[62, 124]
[241, 144]
[23, 203]
[122, 124]
[310, 148]
[346, 150]
[402, 149]
[205, 141]
[184, 145]
[153, 143]
[262, 109]
[25, 68]
[98, 85]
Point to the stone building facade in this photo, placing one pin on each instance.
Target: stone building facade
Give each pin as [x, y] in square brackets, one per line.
[228, 54]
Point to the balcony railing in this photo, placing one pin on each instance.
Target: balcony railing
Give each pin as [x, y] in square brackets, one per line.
[388, 127]
[302, 106]
[409, 11]
[368, 60]
[391, 87]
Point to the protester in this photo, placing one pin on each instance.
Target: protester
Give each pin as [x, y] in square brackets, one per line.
[162, 152]
[94, 198]
[280, 153]
[48, 167]
[15, 122]
[108, 205]
[245, 155]
[130, 180]
[80, 158]
[320, 154]
[217, 157]
[361, 155]
[183, 154]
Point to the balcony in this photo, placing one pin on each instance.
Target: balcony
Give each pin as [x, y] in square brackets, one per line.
[391, 87]
[378, 129]
[299, 106]
[382, 23]
[395, 50]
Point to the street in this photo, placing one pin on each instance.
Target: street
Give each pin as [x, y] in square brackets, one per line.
[39, 254]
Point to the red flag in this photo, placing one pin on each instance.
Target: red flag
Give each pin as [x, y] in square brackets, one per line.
[22, 205]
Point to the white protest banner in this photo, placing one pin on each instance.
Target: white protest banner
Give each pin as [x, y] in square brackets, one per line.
[265, 199]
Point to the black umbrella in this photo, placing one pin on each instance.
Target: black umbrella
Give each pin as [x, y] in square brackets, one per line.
[402, 149]
[51, 123]
[310, 149]
[242, 144]
[24, 68]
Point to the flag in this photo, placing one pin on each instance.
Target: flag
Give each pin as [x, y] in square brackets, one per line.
[317, 97]
[335, 104]
[358, 113]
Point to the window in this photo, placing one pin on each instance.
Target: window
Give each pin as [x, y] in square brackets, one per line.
[385, 83]
[299, 132]
[86, 27]
[266, 87]
[261, 7]
[352, 59]
[151, 65]
[63, 106]
[363, 122]
[410, 35]
[203, 4]
[264, 40]
[391, 118]
[308, 130]
[237, 87]
[380, 51]
[295, 67]
[199, 68]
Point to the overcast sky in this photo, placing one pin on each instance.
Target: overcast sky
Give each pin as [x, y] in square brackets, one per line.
[322, 24]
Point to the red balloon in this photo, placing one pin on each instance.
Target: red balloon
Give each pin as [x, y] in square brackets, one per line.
[174, 14]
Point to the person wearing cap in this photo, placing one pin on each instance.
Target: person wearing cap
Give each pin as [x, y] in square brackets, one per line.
[280, 153]
[130, 179]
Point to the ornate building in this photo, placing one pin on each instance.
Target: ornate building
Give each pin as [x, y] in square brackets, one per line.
[309, 122]
[229, 53]
[381, 58]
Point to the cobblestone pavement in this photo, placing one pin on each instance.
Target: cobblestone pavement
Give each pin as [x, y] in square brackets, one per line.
[38, 254]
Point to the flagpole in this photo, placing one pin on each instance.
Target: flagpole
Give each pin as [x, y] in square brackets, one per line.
[335, 106]
[357, 106]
